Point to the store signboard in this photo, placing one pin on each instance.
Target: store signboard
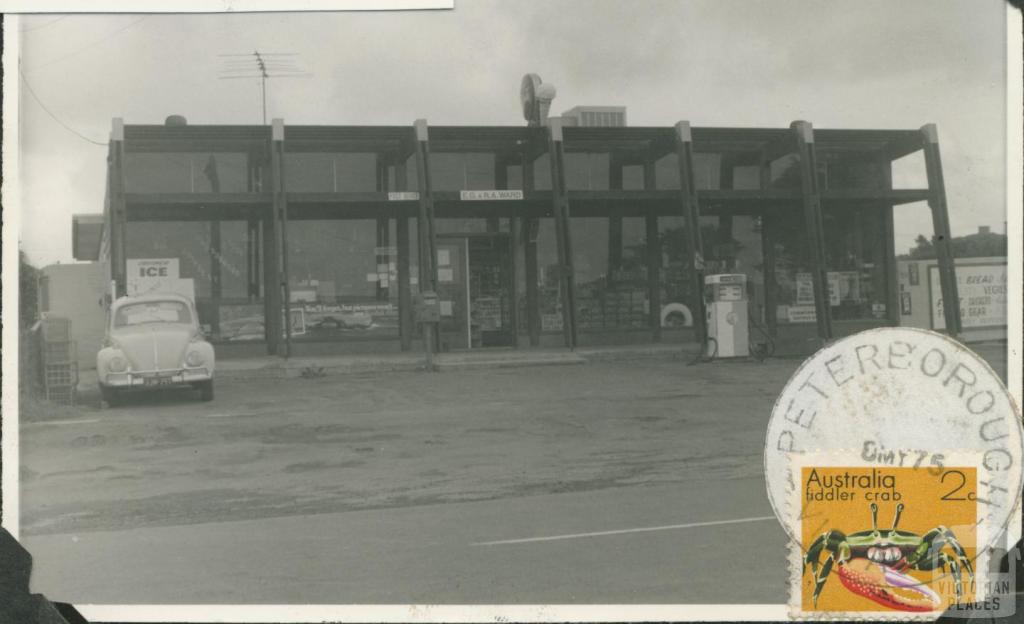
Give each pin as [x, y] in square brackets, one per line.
[801, 314]
[982, 289]
[403, 196]
[157, 275]
[490, 195]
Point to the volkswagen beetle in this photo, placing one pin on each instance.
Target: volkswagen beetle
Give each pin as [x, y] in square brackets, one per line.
[151, 342]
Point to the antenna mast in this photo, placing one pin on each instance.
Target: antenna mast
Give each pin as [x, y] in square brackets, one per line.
[262, 65]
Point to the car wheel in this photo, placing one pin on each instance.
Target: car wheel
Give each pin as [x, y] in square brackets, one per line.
[110, 396]
[206, 390]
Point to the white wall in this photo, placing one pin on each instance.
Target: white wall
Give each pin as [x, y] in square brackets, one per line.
[981, 283]
[75, 291]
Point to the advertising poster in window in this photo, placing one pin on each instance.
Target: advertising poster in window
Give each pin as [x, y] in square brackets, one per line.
[982, 289]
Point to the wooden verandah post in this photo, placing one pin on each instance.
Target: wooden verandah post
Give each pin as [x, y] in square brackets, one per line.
[940, 223]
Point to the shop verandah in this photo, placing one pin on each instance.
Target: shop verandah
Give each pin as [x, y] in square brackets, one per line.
[535, 236]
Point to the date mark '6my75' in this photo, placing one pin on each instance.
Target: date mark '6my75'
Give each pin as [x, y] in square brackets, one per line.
[913, 458]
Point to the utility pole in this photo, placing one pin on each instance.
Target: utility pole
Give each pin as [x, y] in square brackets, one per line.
[262, 65]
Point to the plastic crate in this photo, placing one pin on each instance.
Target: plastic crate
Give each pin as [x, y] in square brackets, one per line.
[58, 375]
[56, 329]
[60, 352]
[61, 394]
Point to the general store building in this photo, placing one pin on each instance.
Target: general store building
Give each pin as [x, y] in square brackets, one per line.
[317, 239]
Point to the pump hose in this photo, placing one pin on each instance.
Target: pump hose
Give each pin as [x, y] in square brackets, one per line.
[762, 350]
[708, 347]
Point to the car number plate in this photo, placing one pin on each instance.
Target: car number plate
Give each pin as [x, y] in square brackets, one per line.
[159, 381]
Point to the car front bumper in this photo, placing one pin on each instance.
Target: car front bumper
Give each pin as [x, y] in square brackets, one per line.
[156, 379]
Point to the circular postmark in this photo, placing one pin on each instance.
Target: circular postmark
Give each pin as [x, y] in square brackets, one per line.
[898, 397]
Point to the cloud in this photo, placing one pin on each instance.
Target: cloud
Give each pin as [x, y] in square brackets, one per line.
[872, 63]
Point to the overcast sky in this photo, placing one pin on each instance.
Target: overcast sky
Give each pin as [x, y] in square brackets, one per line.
[837, 64]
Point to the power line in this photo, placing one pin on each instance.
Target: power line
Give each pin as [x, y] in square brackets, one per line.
[87, 46]
[50, 113]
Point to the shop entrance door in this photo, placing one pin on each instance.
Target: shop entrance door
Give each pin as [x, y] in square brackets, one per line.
[474, 286]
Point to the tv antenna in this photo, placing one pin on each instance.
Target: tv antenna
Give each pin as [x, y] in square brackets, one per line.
[262, 65]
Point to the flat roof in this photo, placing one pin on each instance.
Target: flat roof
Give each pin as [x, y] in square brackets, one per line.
[400, 139]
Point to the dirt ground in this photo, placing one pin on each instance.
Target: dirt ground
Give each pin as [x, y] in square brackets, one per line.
[266, 448]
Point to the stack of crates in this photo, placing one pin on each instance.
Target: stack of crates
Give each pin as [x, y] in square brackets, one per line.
[59, 359]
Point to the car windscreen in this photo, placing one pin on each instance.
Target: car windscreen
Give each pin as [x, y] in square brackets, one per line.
[152, 312]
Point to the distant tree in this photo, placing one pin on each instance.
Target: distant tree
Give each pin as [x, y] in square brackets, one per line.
[980, 245]
[922, 248]
[28, 283]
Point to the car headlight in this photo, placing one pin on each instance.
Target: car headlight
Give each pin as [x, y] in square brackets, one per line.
[117, 364]
[194, 358]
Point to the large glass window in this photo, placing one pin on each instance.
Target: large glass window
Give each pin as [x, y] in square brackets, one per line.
[186, 172]
[850, 172]
[611, 272]
[187, 243]
[675, 276]
[586, 171]
[548, 281]
[706, 170]
[855, 263]
[855, 257]
[340, 288]
[342, 172]
[457, 172]
[190, 247]
[233, 261]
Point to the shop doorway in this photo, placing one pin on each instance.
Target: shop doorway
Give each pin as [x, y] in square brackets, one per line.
[474, 285]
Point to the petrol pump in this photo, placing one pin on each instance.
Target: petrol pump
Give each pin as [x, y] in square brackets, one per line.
[725, 298]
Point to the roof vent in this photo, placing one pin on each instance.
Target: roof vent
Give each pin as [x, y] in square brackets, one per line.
[176, 120]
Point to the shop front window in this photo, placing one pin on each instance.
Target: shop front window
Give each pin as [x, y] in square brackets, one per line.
[854, 261]
[340, 287]
[185, 245]
[676, 281]
[548, 287]
[611, 273]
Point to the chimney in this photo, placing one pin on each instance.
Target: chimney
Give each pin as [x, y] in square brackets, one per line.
[984, 229]
[175, 120]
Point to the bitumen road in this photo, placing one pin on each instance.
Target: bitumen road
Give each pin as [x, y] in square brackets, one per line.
[633, 482]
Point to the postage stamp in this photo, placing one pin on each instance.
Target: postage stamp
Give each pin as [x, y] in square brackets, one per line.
[889, 542]
[893, 460]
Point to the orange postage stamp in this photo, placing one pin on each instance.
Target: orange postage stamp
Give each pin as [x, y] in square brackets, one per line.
[887, 541]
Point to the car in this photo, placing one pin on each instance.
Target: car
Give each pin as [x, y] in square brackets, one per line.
[152, 342]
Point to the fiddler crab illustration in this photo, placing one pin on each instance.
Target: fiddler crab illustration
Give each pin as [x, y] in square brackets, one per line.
[872, 563]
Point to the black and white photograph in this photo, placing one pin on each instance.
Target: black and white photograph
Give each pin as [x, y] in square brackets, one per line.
[425, 310]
